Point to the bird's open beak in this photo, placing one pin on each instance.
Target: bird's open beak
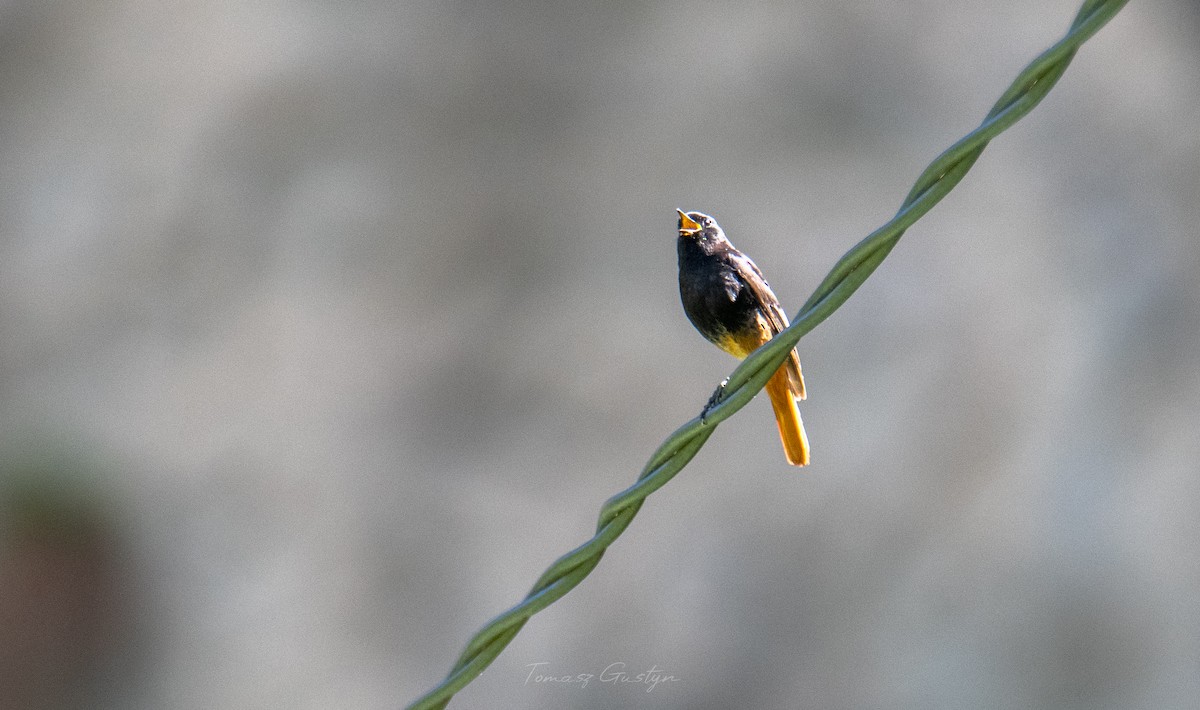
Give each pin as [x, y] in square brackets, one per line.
[687, 225]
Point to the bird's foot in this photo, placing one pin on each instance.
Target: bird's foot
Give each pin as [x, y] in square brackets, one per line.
[713, 401]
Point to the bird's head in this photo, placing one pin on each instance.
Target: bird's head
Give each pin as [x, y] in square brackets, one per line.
[697, 225]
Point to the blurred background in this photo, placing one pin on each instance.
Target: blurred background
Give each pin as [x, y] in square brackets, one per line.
[325, 328]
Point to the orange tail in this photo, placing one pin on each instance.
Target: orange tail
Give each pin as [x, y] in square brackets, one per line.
[787, 416]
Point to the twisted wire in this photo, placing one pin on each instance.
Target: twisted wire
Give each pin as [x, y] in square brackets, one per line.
[1026, 91]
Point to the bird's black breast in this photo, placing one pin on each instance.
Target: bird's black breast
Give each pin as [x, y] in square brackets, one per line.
[714, 297]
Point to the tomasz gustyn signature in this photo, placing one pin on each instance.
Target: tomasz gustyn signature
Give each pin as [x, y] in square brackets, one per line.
[613, 674]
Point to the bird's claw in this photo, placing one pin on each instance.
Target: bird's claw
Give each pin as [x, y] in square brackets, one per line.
[713, 401]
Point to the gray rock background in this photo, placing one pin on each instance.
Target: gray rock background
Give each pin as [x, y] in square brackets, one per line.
[353, 314]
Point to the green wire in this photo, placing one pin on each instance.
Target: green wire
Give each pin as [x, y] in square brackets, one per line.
[937, 180]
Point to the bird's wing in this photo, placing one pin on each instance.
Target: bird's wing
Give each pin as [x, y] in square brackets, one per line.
[776, 320]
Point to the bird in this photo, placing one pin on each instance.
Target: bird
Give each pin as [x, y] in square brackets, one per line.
[728, 300]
